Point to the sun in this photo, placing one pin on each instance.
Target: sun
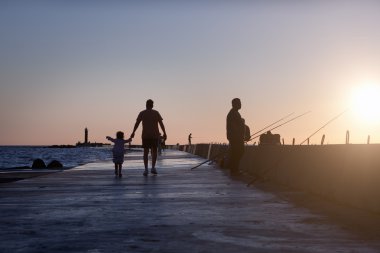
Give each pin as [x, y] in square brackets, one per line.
[366, 103]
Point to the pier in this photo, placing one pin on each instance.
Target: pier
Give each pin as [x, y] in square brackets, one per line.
[87, 209]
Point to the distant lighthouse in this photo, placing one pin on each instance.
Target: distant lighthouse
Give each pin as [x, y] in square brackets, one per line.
[85, 135]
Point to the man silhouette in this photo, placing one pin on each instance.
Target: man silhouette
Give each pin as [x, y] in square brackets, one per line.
[235, 136]
[150, 133]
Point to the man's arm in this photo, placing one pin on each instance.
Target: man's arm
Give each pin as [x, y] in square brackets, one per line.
[135, 127]
[163, 129]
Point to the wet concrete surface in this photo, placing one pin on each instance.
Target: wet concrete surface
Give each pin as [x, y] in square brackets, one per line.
[87, 209]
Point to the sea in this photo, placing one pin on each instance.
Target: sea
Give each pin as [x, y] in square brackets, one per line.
[23, 156]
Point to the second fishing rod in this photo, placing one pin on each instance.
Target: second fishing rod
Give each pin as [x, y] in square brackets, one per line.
[281, 158]
[286, 122]
[251, 138]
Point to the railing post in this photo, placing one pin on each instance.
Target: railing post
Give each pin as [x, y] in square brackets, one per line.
[347, 137]
[323, 139]
[209, 151]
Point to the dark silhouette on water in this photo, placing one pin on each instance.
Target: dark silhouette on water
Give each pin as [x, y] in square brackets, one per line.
[235, 136]
[54, 165]
[38, 164]
[150, 133]
[189, 138]
[86, 142]
[86, 136]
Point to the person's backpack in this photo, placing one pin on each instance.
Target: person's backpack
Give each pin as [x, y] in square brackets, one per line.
[247, 133]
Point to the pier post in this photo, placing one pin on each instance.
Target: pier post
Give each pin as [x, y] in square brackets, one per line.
[347, 137]
[194, 149]
[209, 151]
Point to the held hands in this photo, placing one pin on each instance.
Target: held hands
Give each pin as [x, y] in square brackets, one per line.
[164, 136]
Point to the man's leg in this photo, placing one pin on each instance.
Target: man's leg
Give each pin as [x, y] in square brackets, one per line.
[236, 152]
[232, 163]
[146, 153]
[154, 151]
[120, 166]
[239, 155]
[154, 158]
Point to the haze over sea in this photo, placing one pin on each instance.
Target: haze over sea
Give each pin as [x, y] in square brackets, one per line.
[67, 65]
[20, 156]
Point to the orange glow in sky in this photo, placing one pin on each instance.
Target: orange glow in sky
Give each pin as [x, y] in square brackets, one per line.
[366, 103]
[68, 65]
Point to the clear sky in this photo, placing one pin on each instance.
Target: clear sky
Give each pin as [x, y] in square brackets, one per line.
[67, 65]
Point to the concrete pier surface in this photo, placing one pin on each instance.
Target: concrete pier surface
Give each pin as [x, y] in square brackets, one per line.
[87, 209]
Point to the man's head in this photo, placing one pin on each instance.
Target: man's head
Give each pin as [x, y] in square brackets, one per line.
[236, 104]
[149, 104]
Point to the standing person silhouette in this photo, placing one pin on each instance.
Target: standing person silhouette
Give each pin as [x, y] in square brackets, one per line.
[235, 136]
[150, 133]
[190, 139]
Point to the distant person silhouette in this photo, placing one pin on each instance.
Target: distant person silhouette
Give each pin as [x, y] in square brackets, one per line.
[150, 133]
[118, 151]
[190, 139]
[160, 144]
[235, 136]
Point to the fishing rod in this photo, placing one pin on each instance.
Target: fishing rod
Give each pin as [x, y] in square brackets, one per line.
[331, 120]
[223, 152]
[209, 160]
[278, 161]
[271, 125]
[282, 124]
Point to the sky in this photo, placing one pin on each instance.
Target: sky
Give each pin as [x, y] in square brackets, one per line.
[67, 65]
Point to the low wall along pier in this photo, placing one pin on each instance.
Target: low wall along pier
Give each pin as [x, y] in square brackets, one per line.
[347, 173]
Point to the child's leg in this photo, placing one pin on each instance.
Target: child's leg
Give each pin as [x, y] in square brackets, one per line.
[116, 167]
[121, 166]
[119, 169]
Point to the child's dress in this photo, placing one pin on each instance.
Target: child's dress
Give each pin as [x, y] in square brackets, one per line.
[118, 150]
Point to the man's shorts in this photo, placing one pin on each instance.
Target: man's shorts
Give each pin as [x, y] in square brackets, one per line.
[149, 143]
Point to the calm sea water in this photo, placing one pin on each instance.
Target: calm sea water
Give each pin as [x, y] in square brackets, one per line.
[19, 156]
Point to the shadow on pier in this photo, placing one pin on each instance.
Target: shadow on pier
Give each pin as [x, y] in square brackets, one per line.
[87, 209]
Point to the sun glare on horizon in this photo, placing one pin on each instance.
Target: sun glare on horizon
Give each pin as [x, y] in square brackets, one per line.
[366, 103]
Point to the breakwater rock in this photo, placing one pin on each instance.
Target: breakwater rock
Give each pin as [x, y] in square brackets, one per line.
[40, 164]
